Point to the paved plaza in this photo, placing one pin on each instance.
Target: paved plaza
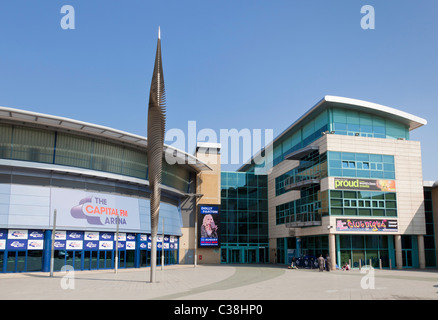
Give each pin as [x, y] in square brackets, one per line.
[223, 282]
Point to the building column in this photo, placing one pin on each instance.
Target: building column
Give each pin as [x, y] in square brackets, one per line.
[421, 253]
[398, 251]
[332, 250]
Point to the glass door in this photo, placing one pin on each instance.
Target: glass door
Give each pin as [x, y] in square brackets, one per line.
[251, 255]
[234, 255]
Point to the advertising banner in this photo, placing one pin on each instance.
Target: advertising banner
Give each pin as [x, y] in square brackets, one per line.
[22, 240]
[365, 184]
[373, 225]
[208, 225]
[77, 208]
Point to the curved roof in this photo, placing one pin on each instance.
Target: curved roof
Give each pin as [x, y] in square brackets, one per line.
[94, 130]
[410, 120]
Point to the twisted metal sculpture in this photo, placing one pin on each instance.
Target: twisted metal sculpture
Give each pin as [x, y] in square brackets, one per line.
[155, 133]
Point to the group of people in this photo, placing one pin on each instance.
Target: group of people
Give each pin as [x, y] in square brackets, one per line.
[323, 263]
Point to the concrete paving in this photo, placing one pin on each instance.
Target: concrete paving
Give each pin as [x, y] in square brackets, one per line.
[223, 282]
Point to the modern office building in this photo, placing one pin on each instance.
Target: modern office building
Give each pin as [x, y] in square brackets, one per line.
[346, 180]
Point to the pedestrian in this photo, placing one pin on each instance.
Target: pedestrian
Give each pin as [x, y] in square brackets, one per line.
[329, 262]
[321, 263]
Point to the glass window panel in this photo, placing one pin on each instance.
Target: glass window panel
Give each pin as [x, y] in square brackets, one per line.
[353, 127]
[336, 172]
[379, 212]
[366, 129]
[33, 144]
[379, 130]
[335, 164]
[362, 157]
[350, 211]
[388, 159]
[334, 155]
[376, 174]
[348, 173]
[376, 158]
[336, 211]
[390, 196]
[366, 165]
[391, 204]
[364, 195]
[388, 167]
[350, 194]
[365, 212]
[335, 194]
[338, 126]
[348, 156]
[362, 173]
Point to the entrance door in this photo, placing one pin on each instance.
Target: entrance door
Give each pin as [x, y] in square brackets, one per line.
[90, 260]
[407, 251]
[262, 255]
[234, 255]
[251, 255]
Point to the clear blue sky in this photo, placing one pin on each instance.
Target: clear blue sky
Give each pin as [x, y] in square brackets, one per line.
[227, 64]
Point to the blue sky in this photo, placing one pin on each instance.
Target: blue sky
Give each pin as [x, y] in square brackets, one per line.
[227, 64]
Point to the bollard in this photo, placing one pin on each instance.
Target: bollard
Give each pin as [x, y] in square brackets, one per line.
[360, 264]
[380, 264]
[390, 264]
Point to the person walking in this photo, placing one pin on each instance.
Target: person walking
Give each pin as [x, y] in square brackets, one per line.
[329, 263]
[321, 263]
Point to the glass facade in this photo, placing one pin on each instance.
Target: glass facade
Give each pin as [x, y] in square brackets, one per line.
[429, 238]
[311, 206]
[365, 249]
[363, 203]
[351, 122]
[360, 165]
[337, 121]
[46, 146]
[244, 218]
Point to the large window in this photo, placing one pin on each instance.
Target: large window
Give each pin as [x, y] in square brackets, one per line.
[40, 145]
[355, 123]
[244, 210]
[311, 206]
[361, 165]
[312, 166]
[360, 250]
[363, 203]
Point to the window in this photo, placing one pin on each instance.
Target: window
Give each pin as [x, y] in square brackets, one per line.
[364, 203]
[361, 165]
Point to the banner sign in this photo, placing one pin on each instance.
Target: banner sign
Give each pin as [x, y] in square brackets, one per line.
[78, 208]
[208, 225]
[370, 225]
[16, 239]
[365, 184]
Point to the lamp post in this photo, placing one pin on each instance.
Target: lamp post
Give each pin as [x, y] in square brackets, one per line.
[52, 253]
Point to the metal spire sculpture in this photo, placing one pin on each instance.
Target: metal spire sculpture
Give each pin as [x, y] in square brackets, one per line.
[155, 132]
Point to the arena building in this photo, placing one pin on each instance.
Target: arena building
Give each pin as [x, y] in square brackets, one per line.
[90, 175]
